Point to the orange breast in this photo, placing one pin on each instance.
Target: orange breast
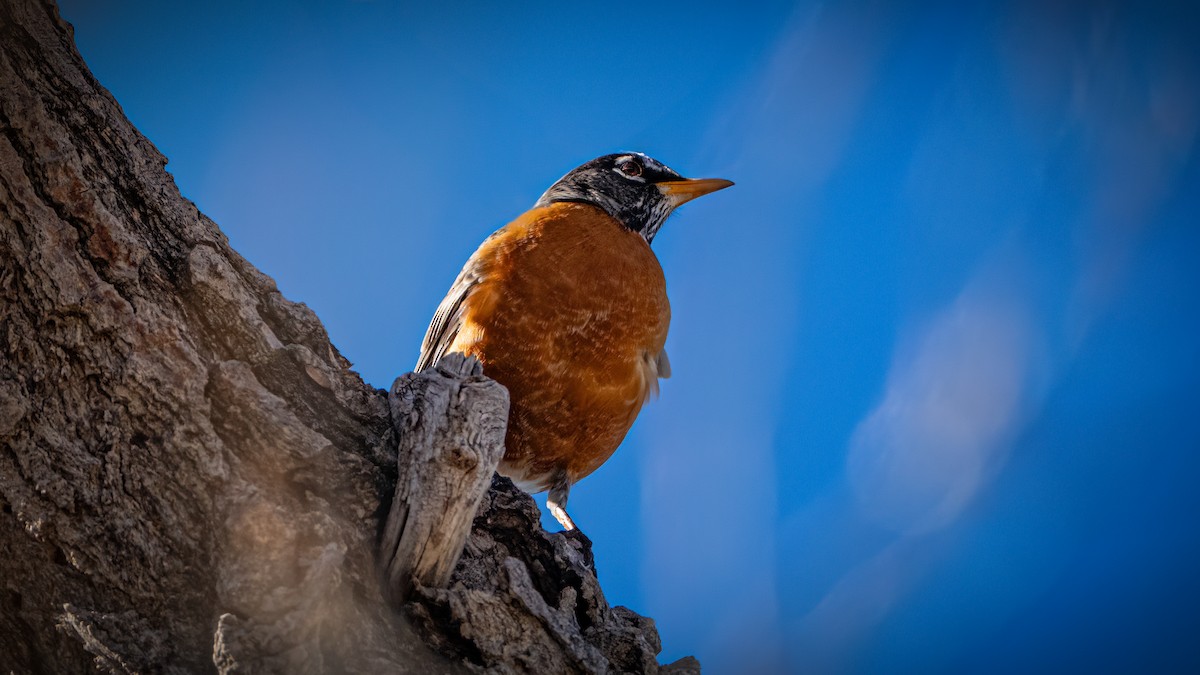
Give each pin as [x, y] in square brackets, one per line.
[570, 317]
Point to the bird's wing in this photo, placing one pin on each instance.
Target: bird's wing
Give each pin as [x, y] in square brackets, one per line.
[447, 321]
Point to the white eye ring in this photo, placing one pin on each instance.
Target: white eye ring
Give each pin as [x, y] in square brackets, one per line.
[631, 168]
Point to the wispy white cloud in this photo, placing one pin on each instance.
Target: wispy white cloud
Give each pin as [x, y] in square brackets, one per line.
[952, 402]
[959, 392]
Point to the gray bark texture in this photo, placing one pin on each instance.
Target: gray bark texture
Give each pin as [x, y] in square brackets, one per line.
[192, 479]
[450, 422]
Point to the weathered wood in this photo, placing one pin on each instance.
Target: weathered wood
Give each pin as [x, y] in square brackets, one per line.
[450, 422]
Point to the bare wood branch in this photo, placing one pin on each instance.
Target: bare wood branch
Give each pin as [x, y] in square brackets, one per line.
[450, 421]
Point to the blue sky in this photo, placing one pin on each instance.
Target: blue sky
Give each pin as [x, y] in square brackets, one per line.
[936, 393]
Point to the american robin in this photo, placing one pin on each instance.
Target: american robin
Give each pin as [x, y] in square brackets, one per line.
[566, 306]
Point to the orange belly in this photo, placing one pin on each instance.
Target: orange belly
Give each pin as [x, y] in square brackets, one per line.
[571, 317]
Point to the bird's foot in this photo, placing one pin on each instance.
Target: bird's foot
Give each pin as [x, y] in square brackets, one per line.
[556, 502]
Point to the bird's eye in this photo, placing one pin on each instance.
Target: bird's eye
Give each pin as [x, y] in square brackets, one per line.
[631, 168]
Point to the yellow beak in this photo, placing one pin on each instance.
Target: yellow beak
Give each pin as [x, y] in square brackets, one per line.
[681, 191]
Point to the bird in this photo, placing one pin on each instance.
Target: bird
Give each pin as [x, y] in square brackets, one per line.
[566, 306]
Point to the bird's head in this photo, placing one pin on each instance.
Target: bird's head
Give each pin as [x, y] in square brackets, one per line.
[637, 190]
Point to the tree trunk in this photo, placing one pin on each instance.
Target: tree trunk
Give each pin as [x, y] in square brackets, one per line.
[191, 478]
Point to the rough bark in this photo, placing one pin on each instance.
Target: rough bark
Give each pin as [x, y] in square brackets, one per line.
[525, 600]
[191, 477]
[186, 458]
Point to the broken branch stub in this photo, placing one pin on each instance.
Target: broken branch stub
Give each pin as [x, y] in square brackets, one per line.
[450, 421]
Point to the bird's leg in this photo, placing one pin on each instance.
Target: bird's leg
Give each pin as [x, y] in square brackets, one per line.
[556, 501]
